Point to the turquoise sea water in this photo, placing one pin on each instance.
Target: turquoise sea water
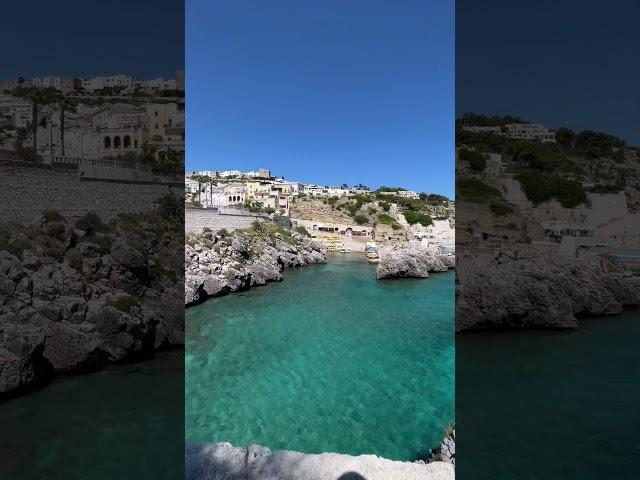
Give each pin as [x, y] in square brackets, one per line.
[122, 422]
[327, 360]
[550, 405]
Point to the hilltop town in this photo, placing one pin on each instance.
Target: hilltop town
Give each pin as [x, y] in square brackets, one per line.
[349, 216]
[113, 127]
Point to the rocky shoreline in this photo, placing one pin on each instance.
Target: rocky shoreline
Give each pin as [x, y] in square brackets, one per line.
[77, 296]
[542, 293]
[220, 263]
[218, 461]
[410, 260]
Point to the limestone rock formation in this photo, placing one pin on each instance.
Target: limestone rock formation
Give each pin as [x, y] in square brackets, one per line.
[220, 264]
[222, 461]
[541, 293]
[73, 299]
[411, 260]
[446, 452]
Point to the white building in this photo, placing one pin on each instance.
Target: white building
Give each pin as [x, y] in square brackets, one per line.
[100, 82]
[231, 173]
[337, 192]
[160, 83]
[479, 129]
[524, 131]
[62, 84]
[314, 190]
[17, 110]
[166, 125]
[407, 194]
[530, 131]
[403, 194]
[121, 128]
[206, 173]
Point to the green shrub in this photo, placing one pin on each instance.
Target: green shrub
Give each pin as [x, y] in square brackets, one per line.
[541, 188]
[417, 217]
[74, 258]
[474, 190]
[52, 216]
[386, 219]
[384, 206]
[396, 226]
[49, 247]
[476, 160]
[500, 209]
[104, 242]
[302, 231]
[90, 223]
[361, 219]
[15, 244]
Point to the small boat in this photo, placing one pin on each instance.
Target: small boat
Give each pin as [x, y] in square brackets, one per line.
[373, 257]
[345, 250]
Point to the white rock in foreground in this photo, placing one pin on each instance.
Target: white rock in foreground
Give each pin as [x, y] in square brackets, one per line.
[222, 461]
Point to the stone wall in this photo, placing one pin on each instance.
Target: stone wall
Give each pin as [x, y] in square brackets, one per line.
[27, 191]
[197, 219]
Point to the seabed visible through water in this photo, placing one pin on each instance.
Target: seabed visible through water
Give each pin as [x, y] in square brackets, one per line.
[328, 360]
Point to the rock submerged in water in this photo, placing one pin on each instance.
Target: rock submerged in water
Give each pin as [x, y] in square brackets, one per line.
[542, 293]
[222, 461]
[411, 261]
[217, 265]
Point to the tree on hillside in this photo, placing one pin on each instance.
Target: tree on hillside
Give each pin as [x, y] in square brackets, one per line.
[38, 97]
[476, 160]
[566, 137]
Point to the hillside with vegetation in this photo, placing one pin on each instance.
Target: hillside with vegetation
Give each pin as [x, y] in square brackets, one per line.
[566, 171]
[375, 207]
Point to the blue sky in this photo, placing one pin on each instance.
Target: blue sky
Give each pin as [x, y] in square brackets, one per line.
[143, 38]
[330, 92]
[571, 63]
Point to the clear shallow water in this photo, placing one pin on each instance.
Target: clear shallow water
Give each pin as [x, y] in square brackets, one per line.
[122, 422]
[327, 360]
[550, 405]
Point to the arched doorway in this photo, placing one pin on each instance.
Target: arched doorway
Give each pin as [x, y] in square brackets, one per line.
[107, 143]
[116, 142]
[126, 142]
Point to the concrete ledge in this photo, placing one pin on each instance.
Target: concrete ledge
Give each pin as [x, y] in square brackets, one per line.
[222, 461]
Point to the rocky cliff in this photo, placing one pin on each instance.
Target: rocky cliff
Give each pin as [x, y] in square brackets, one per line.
[221, 263]
[220, 461]
[542, 293]
[411, 260]
[75, 296]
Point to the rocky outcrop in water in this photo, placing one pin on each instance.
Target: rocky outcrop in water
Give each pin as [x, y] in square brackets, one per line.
[542, 293]
[74, 297]
[411, 260]
[222, 461]
[446, 452]
[217, 264]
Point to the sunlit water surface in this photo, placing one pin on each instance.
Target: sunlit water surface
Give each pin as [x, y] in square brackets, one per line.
[330, 359]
